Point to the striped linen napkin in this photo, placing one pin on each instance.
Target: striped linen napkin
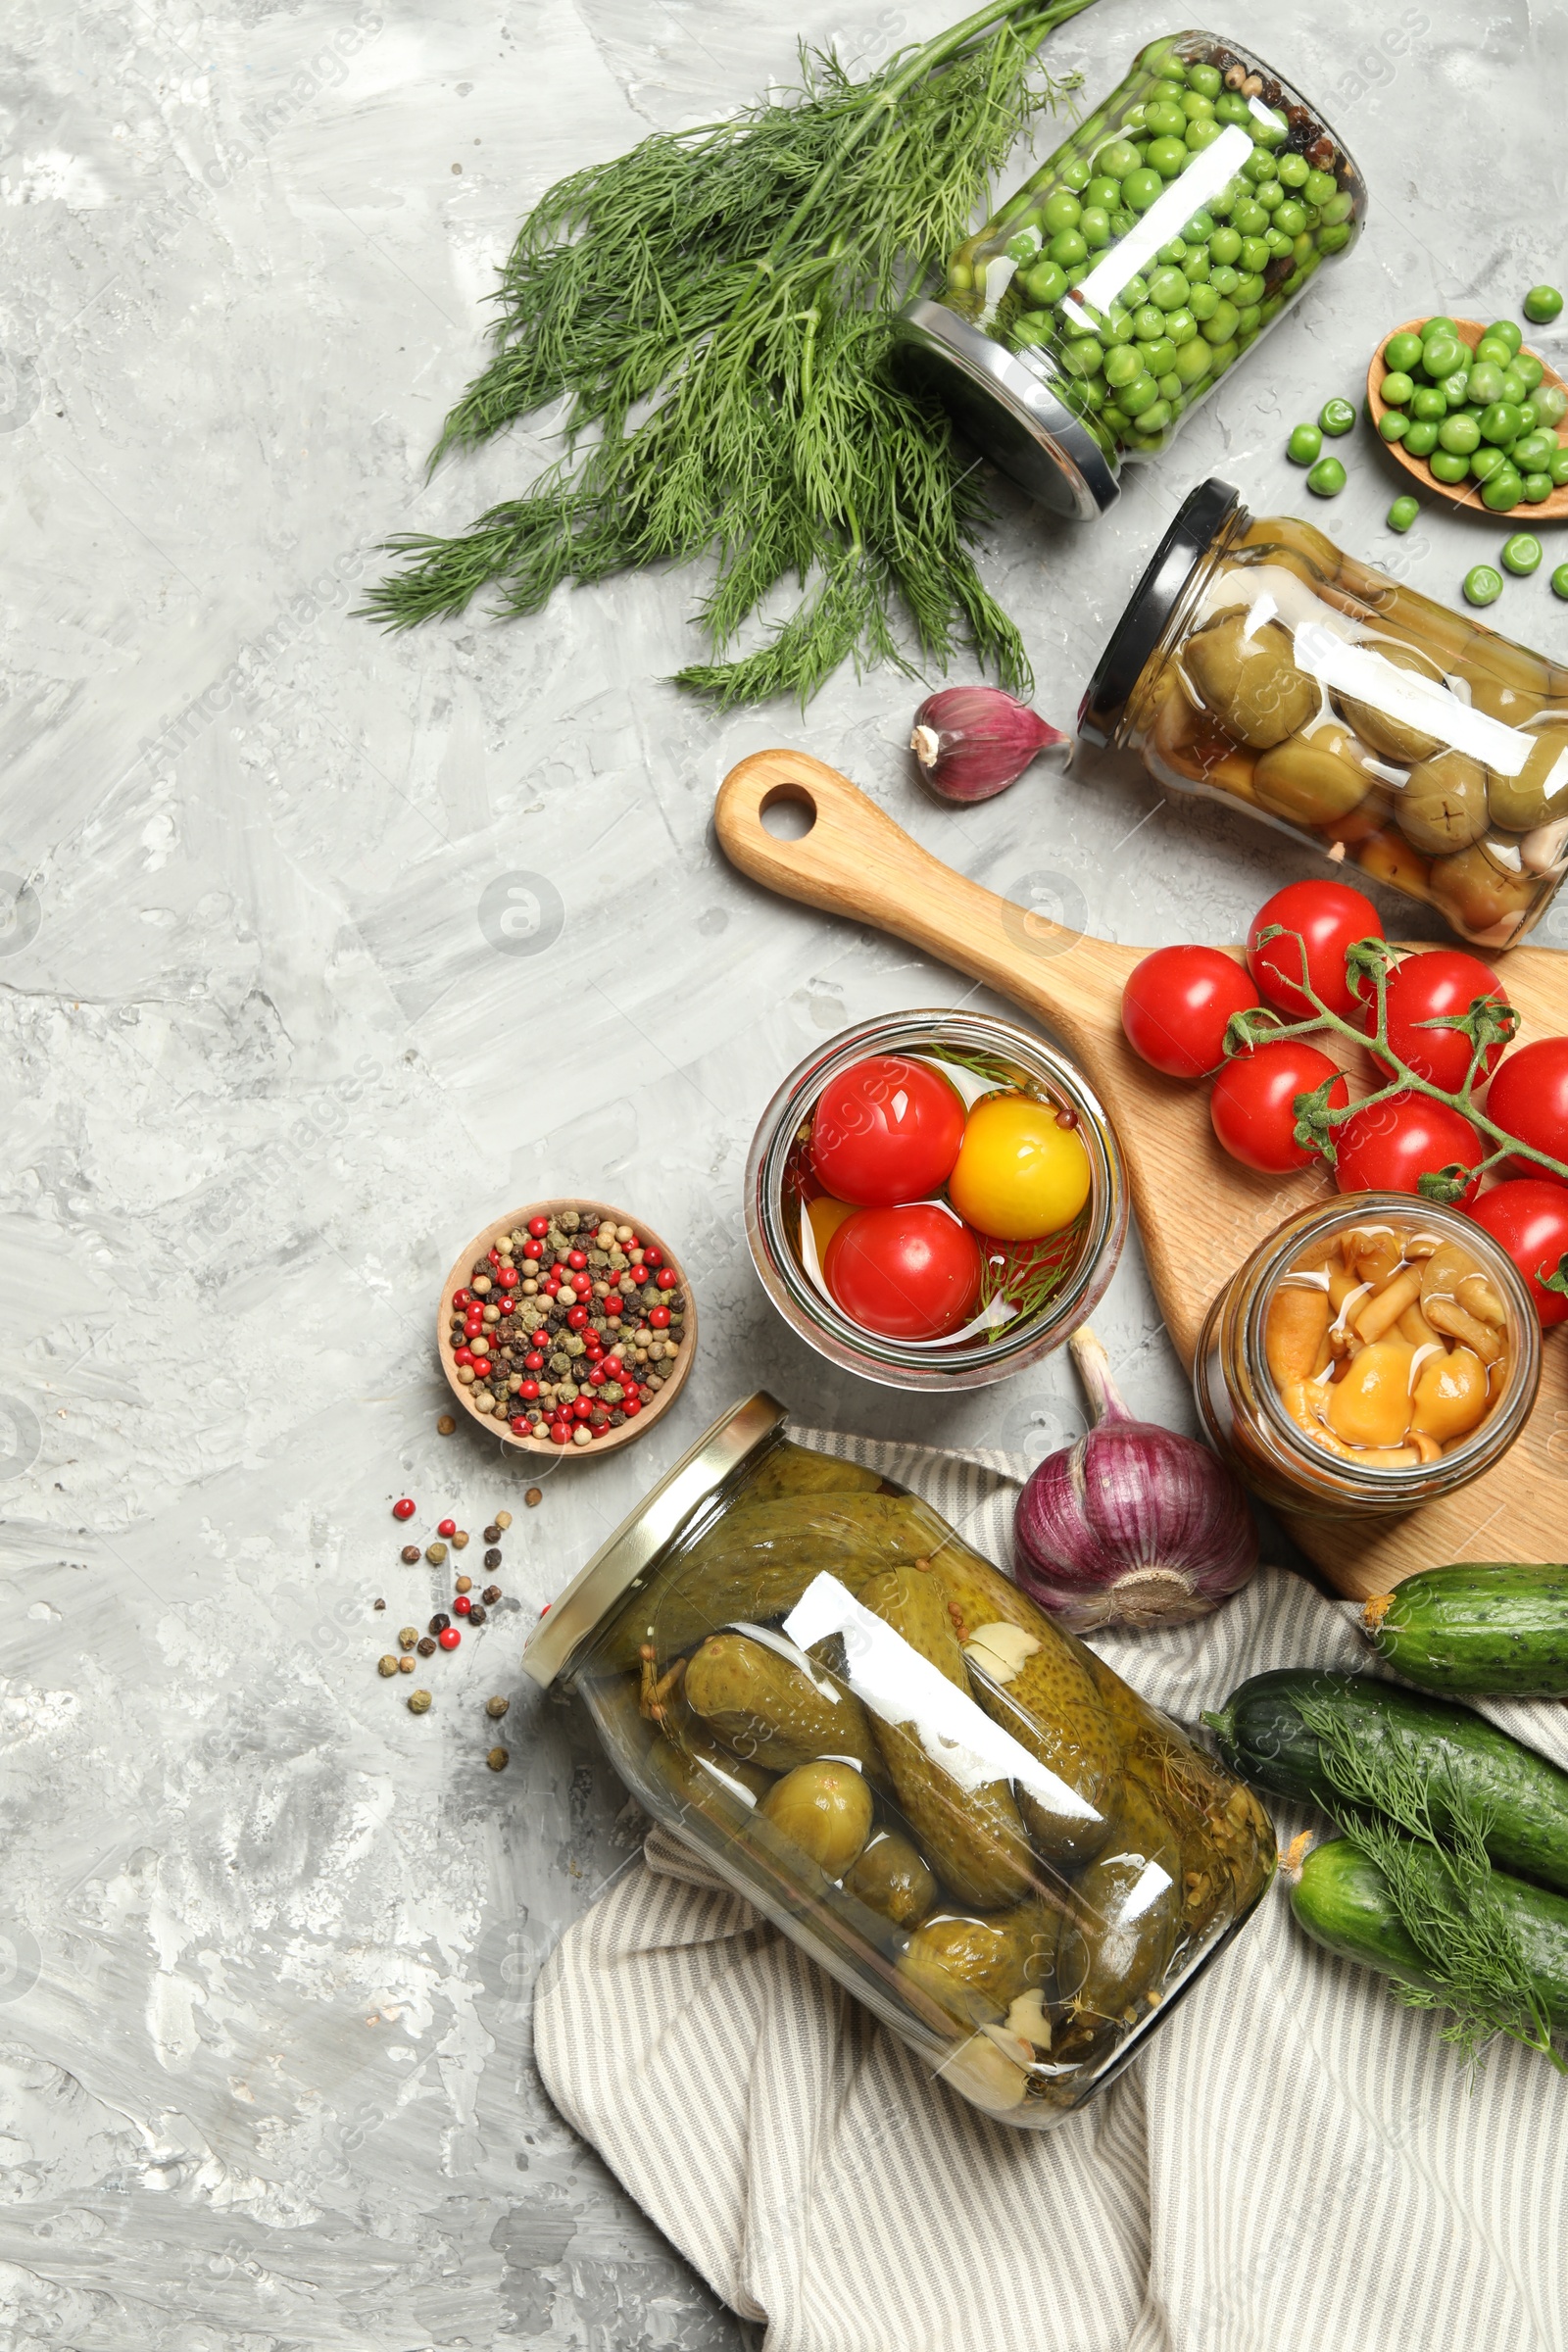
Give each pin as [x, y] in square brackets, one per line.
[1296, 2164]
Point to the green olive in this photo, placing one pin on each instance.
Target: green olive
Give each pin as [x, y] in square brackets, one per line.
[892, 1877]
[1539, 791]
[1378, 729]
[1313, 777]
[823, 1808]
[1248, 678]
[1512, 704]
[1443, 806]
[1483, 899]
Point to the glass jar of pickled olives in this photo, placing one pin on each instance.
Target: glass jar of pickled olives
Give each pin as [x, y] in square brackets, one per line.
[952, 1806]
[1368, 1357]
[1119, 284]
[1258, 665]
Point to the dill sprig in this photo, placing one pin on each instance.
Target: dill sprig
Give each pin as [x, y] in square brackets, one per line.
[1442, 1887]
[715, 310]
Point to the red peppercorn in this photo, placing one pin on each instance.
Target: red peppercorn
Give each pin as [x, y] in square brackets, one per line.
[522, 1426]
[612, 1308]
[653, 1256]
[576, 1318]
[403, 1509]
[462, 1298]
[538, 1227]
[582, 1284]
[639, 1275]
[659, 1319]
[560, 1433]
[598, 1376]
[461, 1605]
[534, 1361]
[528, 1389]
[494, 1256]
[506, 1306]
[533, 1249]
[577, 1260]
[614, 1366]
[581, 1410]
[446, 1527]
[462, 1355]
[667, 1278]
[629, 1405]
[509, 1277]
[449, 1636]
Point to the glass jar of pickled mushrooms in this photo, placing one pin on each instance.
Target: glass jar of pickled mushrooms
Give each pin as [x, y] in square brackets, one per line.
[953, 1807]
[1258, 664]
[1121, 281]
[1369, 1356]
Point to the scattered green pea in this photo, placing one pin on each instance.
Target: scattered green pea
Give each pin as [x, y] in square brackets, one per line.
[1483, 585]
[1404, 513]
[1305, 446]
[1559, 579]
[1522, 553]
[1336, 416]
[1327, 478]
[1541, 304]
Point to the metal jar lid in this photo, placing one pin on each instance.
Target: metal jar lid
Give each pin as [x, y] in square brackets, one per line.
[598, 1590]
[1009, 405]
[1204, 514]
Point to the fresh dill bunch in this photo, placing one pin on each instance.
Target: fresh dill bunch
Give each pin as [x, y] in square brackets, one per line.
[1442, 1887]
[715, 310]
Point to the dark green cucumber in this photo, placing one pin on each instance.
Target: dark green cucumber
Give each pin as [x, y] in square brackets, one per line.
[1480, 1629]
[1343, 1901]
[1263, 1739]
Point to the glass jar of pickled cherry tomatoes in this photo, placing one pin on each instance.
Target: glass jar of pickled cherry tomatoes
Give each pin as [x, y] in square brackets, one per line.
[1031, 1296]
[1258, 664]
[1369, 1356]
[805, 1672]
[1136, 266]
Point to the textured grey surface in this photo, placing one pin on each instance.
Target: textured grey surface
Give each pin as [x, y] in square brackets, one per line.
[267, 1940]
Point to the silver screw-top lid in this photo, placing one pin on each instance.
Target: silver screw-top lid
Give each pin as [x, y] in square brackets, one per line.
[1013, 406]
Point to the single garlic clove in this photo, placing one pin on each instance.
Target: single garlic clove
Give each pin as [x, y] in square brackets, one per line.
[972, 742]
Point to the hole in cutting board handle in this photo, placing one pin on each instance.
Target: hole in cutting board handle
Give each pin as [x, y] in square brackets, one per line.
[788, 811]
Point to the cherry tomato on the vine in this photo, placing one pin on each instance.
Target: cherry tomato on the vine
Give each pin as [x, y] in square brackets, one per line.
[1253, 1104]
[1432, 987]
[1529, 1098]
[886, 1130]
[1177, 1004]
[1530, 1218]
[907, 1273]
[1328, 916]
[1387, 1147]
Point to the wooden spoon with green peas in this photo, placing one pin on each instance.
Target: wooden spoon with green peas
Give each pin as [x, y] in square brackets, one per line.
[1473, 417]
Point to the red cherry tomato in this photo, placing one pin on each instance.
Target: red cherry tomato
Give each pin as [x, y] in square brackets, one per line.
[1177, 1004]
[907, 1273]
[886, 1131]
[1530, 1218]
[1329, 917]
[1529, 1098]
[1253, 1106]
[1430, 988]
[1386, 1149]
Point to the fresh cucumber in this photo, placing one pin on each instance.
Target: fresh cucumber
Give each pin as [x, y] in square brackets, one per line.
[1482, 1627]
[1343, 1901]
[1262, 1738]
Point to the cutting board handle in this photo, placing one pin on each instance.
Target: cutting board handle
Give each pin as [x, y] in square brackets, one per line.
[853, 861]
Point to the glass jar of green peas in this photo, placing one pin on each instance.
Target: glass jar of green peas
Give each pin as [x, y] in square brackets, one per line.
[1134, 268]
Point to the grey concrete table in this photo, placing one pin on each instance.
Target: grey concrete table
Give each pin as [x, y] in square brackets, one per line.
[270, 1055]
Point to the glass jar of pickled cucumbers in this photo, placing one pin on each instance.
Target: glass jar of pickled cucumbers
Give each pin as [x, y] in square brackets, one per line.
[1120, 282]
[949, 1804]
[1368, 1357]
[1260, 666]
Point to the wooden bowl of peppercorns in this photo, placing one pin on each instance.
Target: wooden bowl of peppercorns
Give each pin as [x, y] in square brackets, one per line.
[567, 1327]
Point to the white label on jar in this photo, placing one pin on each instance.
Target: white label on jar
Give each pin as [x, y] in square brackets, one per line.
[1413, 701]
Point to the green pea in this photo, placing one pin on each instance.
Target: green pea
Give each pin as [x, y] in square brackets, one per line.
[1200, 135]
[1141, 394]
[1531, 452]
[1506, 332]
[1460, 434]
[1487, 461]
[1032, 328]
[1248, 286]
[1061, 211]
[1504, 490]
[1168, 157]
[1247, 316]
[1141, 188]
[1334, 236]
[1529, 369]
[1304, 251]
[1095, 227]
[1394, 425]
[1202, 301]
[1196, 266]
[1277, 244]
[1557, 468]
[1514, 387]
[1067, 247]
[1295, 171]
[1122, 222]
[1397, 388]
[1437, 324]
[1194, 362]
[1541, 304]
[1486, 383]
[1045, 282]
[1164, 115]
[1155, 419]
[1135, 293]
[1103, 191]
[1428, 402]
[1490, 347]
[1422, 438]
[1167, 290]
[1529, 417]
[1231, 107]
[1559, 579]
[1327, 478]
[1083, 357]
[1254, 254]
[1124, 364]
[1222, 354]
[1441, 354]
[1448, 469]
[1195, 106]
[1116, 160]
[1305, 446]
[1522, 553]
[1172, 73]
[1336, 417]
[1500, 423]
[1173, 252]
[1208, 78]
[1537, 488]
[1111, 415]
[1225, 244]
[1221, 325]
[1149, 324]
[1321, 187]
[1260, 165]
[1180, 327]
[1402, 352]
[1403, 512]
[1249, 219]
[1225, 281]
[1159, 357]
[1456, 389]
[1290, 218]
[1483, 585]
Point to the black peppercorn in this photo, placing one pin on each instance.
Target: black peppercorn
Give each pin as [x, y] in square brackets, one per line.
[477, 1614]
[410, 1555]
[492, 1558]
[439, 1621]
[425, 1647]
[492, 1594]
[380, 1604]
[492, 1534]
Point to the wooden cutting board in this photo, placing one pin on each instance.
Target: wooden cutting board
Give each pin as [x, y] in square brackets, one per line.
[1197, 1211]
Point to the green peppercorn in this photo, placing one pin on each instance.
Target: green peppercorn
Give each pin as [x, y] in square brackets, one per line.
[408, 1634]
[1402, 514]
[387, 1665]
[1482, 584]
[1327, 478]
[419, 1702]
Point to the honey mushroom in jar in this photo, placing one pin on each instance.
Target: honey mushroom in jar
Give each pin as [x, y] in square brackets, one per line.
[1386, 1346]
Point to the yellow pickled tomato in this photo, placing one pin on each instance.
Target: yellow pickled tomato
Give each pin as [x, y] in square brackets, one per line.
[1450, 1395]
[1019, 1173]
[827, 1215]
[1371, 1405]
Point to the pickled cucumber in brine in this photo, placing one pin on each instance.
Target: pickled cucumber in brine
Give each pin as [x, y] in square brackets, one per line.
[788, 1469]
[891, 1877]
[758, 1704]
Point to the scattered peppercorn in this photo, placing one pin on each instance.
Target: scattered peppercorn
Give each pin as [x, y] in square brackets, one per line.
[492, 1558]
[498, 1759]
[445, 1425]
[409, 1556]
[492, 1594]
[446, 1527]
[403, 1509]
[449, 1636]
[405, 1665]
[419, 1702]
[492, 1534]
[476, 1613]
[439, 1621]
[386, 1665]
[380, 1604]
[535, 1495]
[504, 1518]
[461, 1605]
[406, 1637]
[426, 1645]
[496, 1707]
[460, 1540]
[465, 1584]
[435, 1553]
